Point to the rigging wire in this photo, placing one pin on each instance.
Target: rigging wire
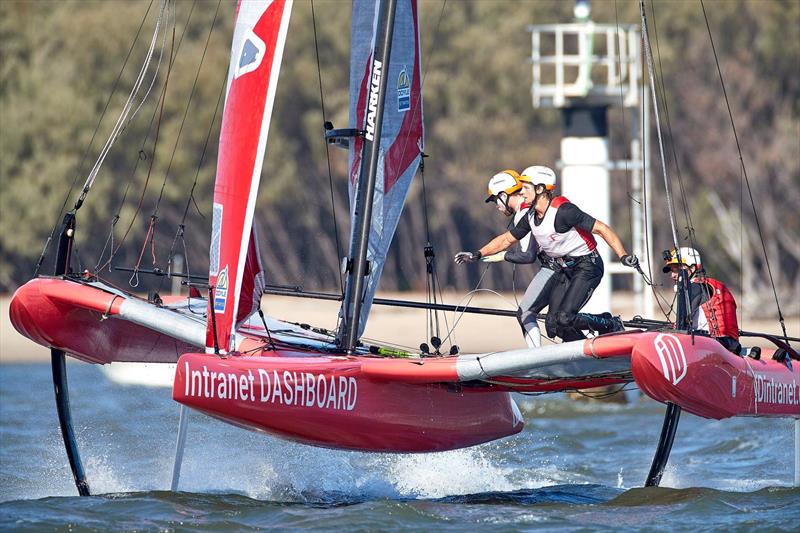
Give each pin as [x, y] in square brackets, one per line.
[91, 141]
[684, 196]
[643, 201]
[744, 173]
[671, 138]
[432, 283]
[327, 153]
[191, 199]
[622, 110]
[154, 216]
[668, 190]
[142, 154]
[135, 275]
[188, 104]
[653, 87]
[123, 120]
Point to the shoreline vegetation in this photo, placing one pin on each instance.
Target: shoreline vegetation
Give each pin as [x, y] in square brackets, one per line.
[405, 327]
[479, 119]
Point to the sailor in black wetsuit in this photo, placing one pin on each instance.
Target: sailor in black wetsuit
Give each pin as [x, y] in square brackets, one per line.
[537, 295]
[565, 234]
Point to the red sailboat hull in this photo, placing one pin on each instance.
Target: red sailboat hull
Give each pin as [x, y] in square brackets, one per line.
[331, 401]
[82, 321]
[705, 379]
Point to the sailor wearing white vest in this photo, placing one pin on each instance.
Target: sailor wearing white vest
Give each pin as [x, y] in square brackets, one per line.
[537, 294]
[565, 234]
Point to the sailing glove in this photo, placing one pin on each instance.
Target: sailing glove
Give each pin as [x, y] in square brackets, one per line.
[466, 257]
[494, 258]
[630, 261]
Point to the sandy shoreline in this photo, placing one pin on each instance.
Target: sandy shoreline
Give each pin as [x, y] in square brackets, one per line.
[401, 326]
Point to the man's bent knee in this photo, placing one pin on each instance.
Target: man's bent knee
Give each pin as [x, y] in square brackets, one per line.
[564, 319]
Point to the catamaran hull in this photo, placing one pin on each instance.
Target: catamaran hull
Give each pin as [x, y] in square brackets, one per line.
[95, 324]
[702, 377]
[329, 401]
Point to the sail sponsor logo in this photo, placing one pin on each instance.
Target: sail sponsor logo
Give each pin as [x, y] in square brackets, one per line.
[672, 357]
[221, 291]
[767, 390]
[403, 92]
[298, 389]
[372, 109]
[251, 54]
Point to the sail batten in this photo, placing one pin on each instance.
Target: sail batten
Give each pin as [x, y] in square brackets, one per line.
[402, 135]
[256, 53]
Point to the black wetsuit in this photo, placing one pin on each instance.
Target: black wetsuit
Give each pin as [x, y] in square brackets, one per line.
[576, 280]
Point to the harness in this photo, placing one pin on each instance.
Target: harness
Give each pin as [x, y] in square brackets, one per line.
[570, 261]
[720, 309]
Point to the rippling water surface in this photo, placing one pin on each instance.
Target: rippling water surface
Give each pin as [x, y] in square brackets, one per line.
[575, 465]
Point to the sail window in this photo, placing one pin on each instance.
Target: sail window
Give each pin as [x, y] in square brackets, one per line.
[250, 56]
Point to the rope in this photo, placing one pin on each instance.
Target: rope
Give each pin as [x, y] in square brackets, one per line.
[327, 153]
[468, 297]
[91, 141]
[744, 172]
[123, 119]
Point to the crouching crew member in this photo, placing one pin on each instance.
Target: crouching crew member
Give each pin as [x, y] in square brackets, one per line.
[564, 233]
[506, 189]
[711, 304]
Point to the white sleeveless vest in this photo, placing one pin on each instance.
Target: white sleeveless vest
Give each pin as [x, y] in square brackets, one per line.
[573, 243]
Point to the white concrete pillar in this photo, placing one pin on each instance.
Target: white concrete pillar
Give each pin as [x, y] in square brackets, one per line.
[585, 182]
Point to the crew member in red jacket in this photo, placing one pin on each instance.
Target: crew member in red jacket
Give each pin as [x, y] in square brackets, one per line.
[711, 304]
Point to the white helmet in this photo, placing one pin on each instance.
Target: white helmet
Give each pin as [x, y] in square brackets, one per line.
[539, 175]
[683, 256]
[506, 181]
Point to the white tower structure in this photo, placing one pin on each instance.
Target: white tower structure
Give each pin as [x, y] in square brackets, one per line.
[583, 69]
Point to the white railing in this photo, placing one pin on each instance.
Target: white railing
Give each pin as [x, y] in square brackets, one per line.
[592, 63]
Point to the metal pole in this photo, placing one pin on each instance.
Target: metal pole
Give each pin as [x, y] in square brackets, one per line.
[637, 233]
[797, 452]
[183, 423]
[648, 223]
[348, 335]
[59, 366]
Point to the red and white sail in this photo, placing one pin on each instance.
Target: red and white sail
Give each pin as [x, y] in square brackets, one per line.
[401, 141]
[258, 41]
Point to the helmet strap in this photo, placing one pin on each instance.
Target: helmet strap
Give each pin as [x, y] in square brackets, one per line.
[503, 197]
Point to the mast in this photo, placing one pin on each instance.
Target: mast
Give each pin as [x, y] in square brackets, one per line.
[357, 265]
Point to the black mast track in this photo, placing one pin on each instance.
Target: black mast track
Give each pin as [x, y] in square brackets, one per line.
[59, 365]
[347, 336]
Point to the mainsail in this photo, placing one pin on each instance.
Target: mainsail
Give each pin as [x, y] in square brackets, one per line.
[401, 141]
[258, 40]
